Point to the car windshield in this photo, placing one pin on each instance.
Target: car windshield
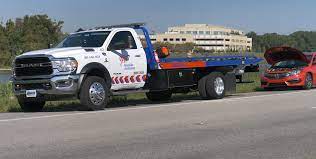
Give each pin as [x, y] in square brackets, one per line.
[289, 64]
[86, 39]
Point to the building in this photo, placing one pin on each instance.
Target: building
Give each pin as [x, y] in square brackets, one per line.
[207, 37]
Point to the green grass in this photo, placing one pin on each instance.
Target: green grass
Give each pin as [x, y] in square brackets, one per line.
[8, 102]
[251, 83]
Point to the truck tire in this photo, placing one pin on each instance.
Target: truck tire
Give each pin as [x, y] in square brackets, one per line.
[94, 93]
[308, 81]
[215, 85]
[202, 88]
[159, 95]
[31, 105]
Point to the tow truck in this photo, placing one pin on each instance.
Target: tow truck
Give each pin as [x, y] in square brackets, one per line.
[92, 65]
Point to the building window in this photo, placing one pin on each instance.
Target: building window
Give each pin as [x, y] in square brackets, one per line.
[188, 32]
[165, 39]
[208, 32]
[184, 39]
[181, 32]
[201, 32]
[177, 39]
[153, 39]
[194, 32]
[211, 45]
[227, 39]
[209, 39]
[171, 39]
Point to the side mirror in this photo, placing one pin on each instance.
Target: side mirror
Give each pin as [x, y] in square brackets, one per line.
[163, 52]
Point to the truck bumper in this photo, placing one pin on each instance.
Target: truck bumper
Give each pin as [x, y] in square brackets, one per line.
[57, 86]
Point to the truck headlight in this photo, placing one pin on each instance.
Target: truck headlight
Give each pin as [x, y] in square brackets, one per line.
[65, 64]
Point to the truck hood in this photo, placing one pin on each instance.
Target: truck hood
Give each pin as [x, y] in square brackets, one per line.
[60, 52]
[277, 54]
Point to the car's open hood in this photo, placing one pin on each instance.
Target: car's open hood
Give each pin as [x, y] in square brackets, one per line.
[277, 54]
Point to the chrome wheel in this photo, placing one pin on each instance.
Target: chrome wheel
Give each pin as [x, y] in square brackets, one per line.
[96, 93]
[309, 81]
[219, 85]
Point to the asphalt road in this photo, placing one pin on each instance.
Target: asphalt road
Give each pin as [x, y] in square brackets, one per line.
[264, 125]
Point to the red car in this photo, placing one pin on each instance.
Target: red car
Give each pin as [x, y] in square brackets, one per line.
[289, 68]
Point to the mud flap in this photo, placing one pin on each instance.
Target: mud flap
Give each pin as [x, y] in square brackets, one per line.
[230, 83]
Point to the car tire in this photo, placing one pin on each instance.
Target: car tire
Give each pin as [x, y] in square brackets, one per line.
[159, 95]
[308, 81]
[94, 93]
[31, 105]
[215, 85]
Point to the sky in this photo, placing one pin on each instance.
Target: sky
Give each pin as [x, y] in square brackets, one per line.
[261, 16]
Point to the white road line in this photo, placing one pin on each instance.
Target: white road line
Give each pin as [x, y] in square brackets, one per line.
[313, 107]
[156, 106]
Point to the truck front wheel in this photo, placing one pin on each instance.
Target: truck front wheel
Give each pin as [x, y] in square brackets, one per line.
[28, 105]
[94, 93]
[159, 95]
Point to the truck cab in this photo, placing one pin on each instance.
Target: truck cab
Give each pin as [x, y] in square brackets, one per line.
[94, 64]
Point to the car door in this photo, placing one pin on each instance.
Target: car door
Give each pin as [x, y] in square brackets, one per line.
[126, 61]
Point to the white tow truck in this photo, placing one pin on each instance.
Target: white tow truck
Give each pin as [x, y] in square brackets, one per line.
[94, 64]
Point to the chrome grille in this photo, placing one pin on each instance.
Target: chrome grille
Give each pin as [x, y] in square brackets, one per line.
[33, 66]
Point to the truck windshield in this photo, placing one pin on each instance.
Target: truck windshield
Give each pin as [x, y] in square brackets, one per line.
[289, 64]
[86, 39]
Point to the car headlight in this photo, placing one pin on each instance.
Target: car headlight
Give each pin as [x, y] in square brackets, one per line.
[65, 64]
[294, 72]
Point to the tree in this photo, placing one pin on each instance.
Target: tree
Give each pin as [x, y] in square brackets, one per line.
[302, 40]
[26, 34]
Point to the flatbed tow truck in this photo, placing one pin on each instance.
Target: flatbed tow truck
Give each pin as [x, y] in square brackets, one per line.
[94, 64]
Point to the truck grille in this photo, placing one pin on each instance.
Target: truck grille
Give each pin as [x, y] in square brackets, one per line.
[33, 66]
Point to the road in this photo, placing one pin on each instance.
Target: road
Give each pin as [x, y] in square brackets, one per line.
[264, 126]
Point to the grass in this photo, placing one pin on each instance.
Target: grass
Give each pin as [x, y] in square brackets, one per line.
[8, 102]
[251, 83]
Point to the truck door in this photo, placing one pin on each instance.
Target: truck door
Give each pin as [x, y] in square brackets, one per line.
[127, 62]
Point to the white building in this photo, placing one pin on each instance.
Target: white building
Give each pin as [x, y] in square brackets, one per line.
[208, 37]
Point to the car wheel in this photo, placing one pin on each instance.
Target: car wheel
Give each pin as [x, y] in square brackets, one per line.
[31, 105]
[308, 81]
[94, 93]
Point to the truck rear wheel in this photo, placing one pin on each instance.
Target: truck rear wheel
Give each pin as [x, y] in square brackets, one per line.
[30, 105]
[94, 93]
[202, 88]
[214, 85]
[159, 95]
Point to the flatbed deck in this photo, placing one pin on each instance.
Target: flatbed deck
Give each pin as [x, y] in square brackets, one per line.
[211, 61]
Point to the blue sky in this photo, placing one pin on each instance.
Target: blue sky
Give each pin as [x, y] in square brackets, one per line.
[281, 16]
